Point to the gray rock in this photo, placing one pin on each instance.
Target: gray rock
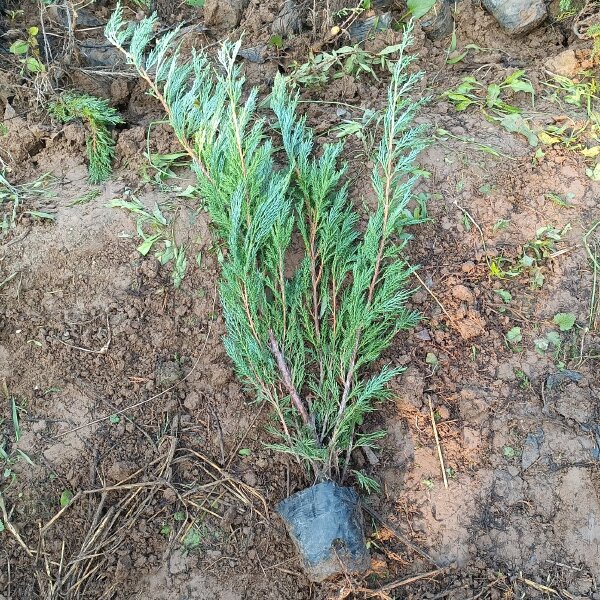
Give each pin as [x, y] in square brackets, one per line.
[255, 54]
[101, 55]
[531, 448]
[360, 29]
[438, 22]
[517, 17]
[224, 14]
[288, 21]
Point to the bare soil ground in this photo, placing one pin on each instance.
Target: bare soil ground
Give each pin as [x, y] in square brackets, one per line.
[127, 401]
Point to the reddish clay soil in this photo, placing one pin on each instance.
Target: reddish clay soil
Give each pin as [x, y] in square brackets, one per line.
[164, 505]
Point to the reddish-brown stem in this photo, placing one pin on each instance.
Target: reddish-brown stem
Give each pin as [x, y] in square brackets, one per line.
[160, 97]
[389, 174]
[247, 309]
[315, 283]
[287, 379]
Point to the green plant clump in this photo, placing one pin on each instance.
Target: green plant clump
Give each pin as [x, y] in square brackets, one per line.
[302, 333]
[98, 117]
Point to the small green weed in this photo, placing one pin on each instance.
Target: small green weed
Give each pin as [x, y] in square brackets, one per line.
[523, 380]
[163, 165]
[514, 337]
[558, 200]
[156, 231]
[565, 321]
[581, 135]
[505, 296]
[348, 60]
[28, 52]
[98, 117]
[550, 341]
[491, 100]
[534, 256]
[15, 198]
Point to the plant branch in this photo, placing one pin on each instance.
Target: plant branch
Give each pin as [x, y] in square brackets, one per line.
[287, 379]
[166, 106]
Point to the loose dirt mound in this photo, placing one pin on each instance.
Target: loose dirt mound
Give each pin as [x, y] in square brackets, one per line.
[135, 465]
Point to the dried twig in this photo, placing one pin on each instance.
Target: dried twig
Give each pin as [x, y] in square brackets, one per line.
[10, 528]
[437, 300]
[401, 582]
[400, 536]
[437, 443]
[102, 350]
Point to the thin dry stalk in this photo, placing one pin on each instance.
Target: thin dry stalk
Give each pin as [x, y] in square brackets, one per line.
[383, 590]
[437, 443]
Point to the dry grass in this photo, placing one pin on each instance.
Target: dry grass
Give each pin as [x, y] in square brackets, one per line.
[68, 565]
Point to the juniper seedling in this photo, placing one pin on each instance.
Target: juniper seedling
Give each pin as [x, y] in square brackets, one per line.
[98, 117]
[302, 338]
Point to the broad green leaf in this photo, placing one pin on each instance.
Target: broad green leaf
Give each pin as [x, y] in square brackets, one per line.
[66, 497]
[431, 359]
[452, 60]
[195, 3]
[505, 295]
[19, 47]
[147, 244]
[34, 65]
[591, 152]
[452, 46]
[547, 139]
[244, 452]
[514, 335]
[565, 321]
[515, 123]
[419, 8]
[493, 93]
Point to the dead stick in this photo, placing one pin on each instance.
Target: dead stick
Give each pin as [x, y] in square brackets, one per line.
[437, 442]
[287, 379]
[430, 292]
[400, 582]
[11, 529]
[399, 535]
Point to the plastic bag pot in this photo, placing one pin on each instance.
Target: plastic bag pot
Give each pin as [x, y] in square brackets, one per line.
[325, 522]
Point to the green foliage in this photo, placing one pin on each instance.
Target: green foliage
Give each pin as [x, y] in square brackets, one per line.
[155, 229]
[419, 8]
[536, 253]
[348, 60]
[302, 334]
[514, 336]
[15, 200]
[28, 52]
[98, 117]
[505, 295]
[565, 321]
[65, 498]
[491, 100]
